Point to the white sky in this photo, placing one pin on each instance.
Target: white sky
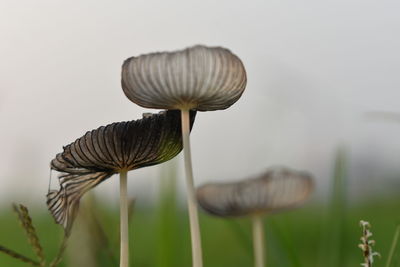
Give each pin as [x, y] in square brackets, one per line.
[314, 68]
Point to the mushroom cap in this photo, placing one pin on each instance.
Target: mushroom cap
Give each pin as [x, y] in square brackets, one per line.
[100, 153]
[273, 191]
[199, 77]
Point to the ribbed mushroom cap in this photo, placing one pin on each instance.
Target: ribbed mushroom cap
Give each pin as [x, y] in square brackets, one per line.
[110, 149]
[276, 190]
[199, 77]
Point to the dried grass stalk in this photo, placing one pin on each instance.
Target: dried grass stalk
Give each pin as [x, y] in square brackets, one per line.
[26, 223]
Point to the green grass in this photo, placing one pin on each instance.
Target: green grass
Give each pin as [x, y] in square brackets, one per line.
[314, 236]
[293, 238]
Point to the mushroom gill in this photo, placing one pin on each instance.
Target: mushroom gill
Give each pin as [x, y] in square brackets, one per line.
[199, 77]
[107, 150]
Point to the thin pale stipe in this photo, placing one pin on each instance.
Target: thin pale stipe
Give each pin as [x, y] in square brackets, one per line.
[197, 257]
[258, 241]
[124, 231]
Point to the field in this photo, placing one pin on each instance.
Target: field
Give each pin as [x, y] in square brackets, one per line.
[316, 235]
[160, 237]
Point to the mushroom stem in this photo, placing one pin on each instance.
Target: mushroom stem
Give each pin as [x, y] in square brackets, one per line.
[124, 247]
[197, 258]
[258, 241]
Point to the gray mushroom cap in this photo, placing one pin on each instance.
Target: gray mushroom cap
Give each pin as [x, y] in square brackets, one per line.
[275, 190]
[102, 152]
[199, 77]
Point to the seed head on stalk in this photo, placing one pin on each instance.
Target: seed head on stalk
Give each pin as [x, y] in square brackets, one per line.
[367, 244]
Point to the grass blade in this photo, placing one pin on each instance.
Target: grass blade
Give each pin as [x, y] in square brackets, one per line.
[393, 246]
[100, 235]
[167, 222]
[333, 240]
[243, 237]
[285, 243]
[60, 252]
[18, 256]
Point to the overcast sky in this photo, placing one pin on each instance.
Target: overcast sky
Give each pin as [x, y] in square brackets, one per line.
[314, 69]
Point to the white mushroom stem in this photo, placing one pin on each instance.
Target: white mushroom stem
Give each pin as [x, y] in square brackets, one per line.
[258, 241]
[124, 247]
[197, 258]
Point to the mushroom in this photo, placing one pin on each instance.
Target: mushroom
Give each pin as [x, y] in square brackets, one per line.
[275, 190]
[115, 148]
[196, 78]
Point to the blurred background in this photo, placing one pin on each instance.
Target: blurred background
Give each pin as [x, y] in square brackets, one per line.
[323, 87]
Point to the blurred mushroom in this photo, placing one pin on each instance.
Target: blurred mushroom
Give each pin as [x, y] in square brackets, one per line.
[115, 148]
[196, 78]
[276, 190]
